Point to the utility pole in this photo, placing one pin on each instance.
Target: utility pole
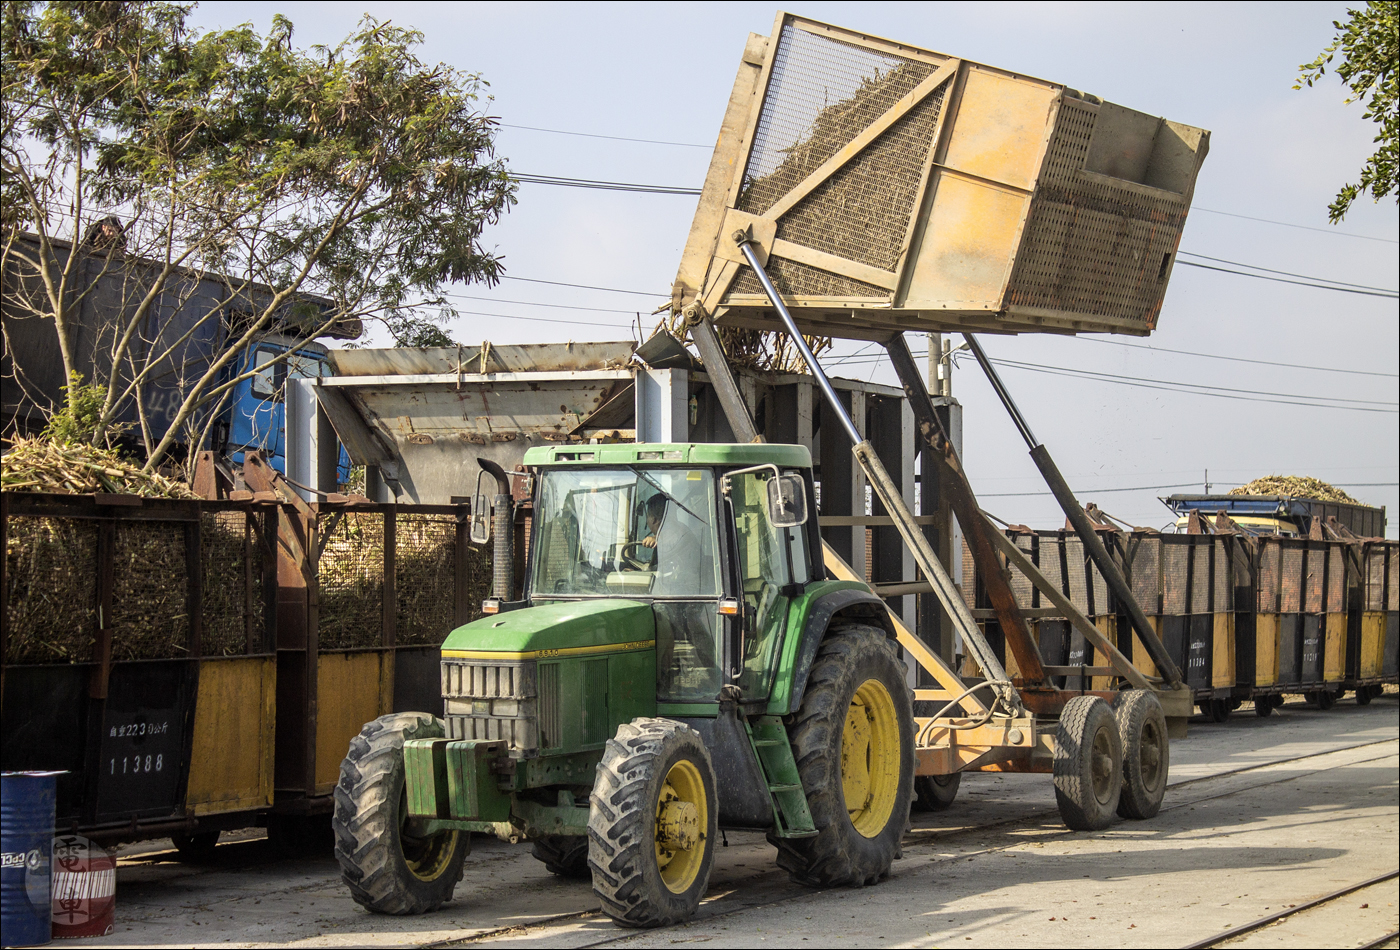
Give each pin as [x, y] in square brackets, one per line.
[945, 536]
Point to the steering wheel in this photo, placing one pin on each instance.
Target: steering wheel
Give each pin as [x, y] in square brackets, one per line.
[631, 561]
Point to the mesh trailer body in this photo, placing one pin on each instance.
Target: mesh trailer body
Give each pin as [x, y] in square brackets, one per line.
[894, 188]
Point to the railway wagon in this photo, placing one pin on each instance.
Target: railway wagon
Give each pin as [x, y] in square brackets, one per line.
[1246, 618]
[193, 666]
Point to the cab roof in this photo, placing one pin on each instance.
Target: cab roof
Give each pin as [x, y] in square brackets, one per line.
[671, 453]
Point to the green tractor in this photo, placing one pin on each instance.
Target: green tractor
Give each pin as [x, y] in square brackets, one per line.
[678, 664]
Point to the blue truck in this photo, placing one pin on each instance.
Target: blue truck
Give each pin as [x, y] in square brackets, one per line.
[256, 417]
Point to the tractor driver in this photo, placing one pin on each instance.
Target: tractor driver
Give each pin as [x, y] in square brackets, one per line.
[680, 572]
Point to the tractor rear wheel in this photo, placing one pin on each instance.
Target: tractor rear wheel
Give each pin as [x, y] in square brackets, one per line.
[652, 824]
[388, 868]
[564, 855]
[854, 745]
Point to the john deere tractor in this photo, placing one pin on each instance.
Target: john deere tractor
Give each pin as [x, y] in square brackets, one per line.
[678, 664]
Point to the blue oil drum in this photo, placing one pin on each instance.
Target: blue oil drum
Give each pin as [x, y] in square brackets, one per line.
[27, 801]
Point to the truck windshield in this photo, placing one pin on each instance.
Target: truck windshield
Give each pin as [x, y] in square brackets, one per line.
[628, 531]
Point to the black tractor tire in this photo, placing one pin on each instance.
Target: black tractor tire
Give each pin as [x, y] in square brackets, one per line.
[1264, 705]
[1142, 728]
[386, 868]
[1088, 764]
[649, 768]
[196, 848]
[856, 688]
[1364, 695]
[935, 792]
[564, 855]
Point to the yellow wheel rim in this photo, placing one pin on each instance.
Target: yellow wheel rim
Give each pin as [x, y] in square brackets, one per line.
[870, 758]
[426, 858]
[682, 817]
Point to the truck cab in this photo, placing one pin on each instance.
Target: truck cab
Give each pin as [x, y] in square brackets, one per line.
[257, 414]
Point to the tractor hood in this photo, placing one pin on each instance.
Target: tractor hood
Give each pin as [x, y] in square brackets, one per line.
[558, 629]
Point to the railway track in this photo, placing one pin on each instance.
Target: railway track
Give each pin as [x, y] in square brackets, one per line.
[770, 888]
[1269, 921]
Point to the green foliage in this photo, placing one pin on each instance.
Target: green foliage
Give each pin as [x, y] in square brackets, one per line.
[356, 172]
[79, 419]
[1368, 44]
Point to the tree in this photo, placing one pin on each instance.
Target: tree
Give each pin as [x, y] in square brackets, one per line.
[311, 189]
[1368, 44]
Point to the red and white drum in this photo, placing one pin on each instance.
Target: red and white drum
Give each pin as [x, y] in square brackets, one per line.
[84, 888]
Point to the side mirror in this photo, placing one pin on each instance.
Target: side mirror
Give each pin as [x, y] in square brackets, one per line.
[787, 501]
[479, 527]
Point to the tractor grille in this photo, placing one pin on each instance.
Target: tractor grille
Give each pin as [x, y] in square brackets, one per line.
[493, 701]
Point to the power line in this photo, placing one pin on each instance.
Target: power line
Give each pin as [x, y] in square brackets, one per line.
[1241, 359]
[602, 185]
[1219, 392]
[1289, 224]
[1170, 382]
[1221, 260]
[1389, 295]
[594, 135]
[533, 303]
[511, 316]
[560, 283]
[1083, 491]
[1290, 400]
[853, 358]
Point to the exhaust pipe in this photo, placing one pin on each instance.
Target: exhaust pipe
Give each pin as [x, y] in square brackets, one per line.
[503, 526]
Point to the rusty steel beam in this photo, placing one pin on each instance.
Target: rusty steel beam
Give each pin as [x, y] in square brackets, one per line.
[964, 504]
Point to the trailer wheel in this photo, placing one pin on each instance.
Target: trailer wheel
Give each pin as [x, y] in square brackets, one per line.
[652, 823]
[1088, 764]
[935, 792]
[387, 868]
[854, 745]
[1264, 706]
[1363, 695]
[1142, 728]
[564, 855]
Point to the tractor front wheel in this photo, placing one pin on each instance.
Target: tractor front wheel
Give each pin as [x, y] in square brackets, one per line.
[854, 745]
[387, 867]
[652, 823]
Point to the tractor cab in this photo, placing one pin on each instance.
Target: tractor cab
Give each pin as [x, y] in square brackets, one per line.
[714, 539]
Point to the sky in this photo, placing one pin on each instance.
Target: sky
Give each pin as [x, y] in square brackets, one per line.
[662, 73]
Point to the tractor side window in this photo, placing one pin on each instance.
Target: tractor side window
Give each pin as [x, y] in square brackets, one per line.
[764, 571]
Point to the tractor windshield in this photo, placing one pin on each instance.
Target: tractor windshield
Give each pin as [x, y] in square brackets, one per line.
[608, 532]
